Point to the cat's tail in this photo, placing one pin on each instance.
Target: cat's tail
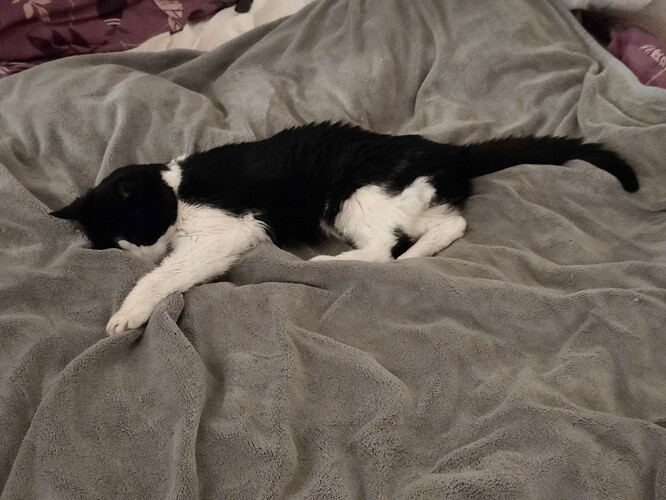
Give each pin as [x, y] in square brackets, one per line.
[496, 155]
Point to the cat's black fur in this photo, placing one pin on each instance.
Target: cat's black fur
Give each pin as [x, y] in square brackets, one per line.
[133, 203]
[298, 178]
[389, 196]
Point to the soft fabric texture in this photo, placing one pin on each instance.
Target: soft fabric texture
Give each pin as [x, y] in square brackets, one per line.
[525, 361]
[652, 17]
[35, 31]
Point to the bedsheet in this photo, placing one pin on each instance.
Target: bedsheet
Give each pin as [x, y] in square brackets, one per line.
[525, 361]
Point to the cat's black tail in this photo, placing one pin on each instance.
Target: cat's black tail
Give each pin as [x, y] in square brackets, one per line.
[496, 155]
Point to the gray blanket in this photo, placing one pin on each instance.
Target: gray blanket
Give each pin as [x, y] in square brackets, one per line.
[528, 360]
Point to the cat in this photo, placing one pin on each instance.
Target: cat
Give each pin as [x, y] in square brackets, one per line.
[387, 196]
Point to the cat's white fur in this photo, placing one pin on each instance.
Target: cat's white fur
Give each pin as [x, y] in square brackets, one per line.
[371, 214]
[151, 253]
[206, 241]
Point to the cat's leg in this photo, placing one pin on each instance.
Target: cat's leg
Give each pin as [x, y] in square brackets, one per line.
[368, 254]
[371, 216]
[194, 260]
[441, 226]
[153, 253]
[365, 221]
[186, 266]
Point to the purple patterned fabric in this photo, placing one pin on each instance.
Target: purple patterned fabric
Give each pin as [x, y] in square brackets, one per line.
[36, 31]
[643, 53]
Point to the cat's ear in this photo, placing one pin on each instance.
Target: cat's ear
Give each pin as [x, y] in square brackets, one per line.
[77, 210]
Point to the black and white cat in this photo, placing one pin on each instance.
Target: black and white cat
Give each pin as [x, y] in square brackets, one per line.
[388, 196]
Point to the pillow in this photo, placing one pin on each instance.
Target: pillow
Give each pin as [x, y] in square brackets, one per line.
[36, 31]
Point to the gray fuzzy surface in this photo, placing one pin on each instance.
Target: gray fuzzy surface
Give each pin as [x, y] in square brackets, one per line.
[528, 360]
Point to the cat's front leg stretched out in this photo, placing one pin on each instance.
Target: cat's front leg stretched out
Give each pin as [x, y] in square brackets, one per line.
[192, 261]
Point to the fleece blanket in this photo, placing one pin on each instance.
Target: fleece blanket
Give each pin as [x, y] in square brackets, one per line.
[528, 360]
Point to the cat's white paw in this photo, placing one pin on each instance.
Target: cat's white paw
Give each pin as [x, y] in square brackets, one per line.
[127, 318]
[318, 258]
[128, 247]
[152, 254]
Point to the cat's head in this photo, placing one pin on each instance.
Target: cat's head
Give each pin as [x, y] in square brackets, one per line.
[133, 204]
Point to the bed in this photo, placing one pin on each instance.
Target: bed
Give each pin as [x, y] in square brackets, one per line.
[525, 361]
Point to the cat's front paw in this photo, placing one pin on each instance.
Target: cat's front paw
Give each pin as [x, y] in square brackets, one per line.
[127, 318]
[319, 258]
[151, 254]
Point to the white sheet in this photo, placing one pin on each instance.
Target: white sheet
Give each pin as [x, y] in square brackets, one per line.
[222, 27]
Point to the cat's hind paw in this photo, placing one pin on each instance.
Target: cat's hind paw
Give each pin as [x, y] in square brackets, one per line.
[319, 258]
